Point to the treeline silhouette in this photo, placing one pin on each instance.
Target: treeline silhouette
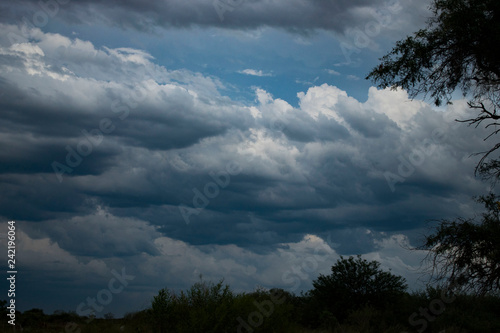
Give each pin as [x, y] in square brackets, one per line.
[356, 297]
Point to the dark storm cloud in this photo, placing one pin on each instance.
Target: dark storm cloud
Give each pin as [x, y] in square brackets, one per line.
[107, 232]
[65, 102]
[317, 167]
[39, 197]
[295, 15]
[32, 155]
[57, 92]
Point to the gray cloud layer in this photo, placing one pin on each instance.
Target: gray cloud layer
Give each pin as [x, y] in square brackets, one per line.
[162, 133]
[295, 16]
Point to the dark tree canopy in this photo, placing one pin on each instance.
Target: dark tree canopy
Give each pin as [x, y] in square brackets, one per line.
[459, 50]
[356, 282]
[465, 254]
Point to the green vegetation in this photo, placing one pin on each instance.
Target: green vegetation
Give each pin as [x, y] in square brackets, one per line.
[355, 282]
[457, 51]
[357, 296]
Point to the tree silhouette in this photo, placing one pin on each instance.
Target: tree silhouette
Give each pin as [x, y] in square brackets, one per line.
[354, 283]
[459, 50]
[465, 254]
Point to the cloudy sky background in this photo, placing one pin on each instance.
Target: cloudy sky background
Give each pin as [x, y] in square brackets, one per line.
[177, 138]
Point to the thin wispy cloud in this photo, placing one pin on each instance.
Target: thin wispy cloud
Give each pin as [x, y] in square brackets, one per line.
[254, 72]
[332, 72]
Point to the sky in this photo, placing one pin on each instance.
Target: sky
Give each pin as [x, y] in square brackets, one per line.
[143, 143]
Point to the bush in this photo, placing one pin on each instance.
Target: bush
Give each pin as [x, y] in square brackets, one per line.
[208, 307]
[205, 307]
[355, 283]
